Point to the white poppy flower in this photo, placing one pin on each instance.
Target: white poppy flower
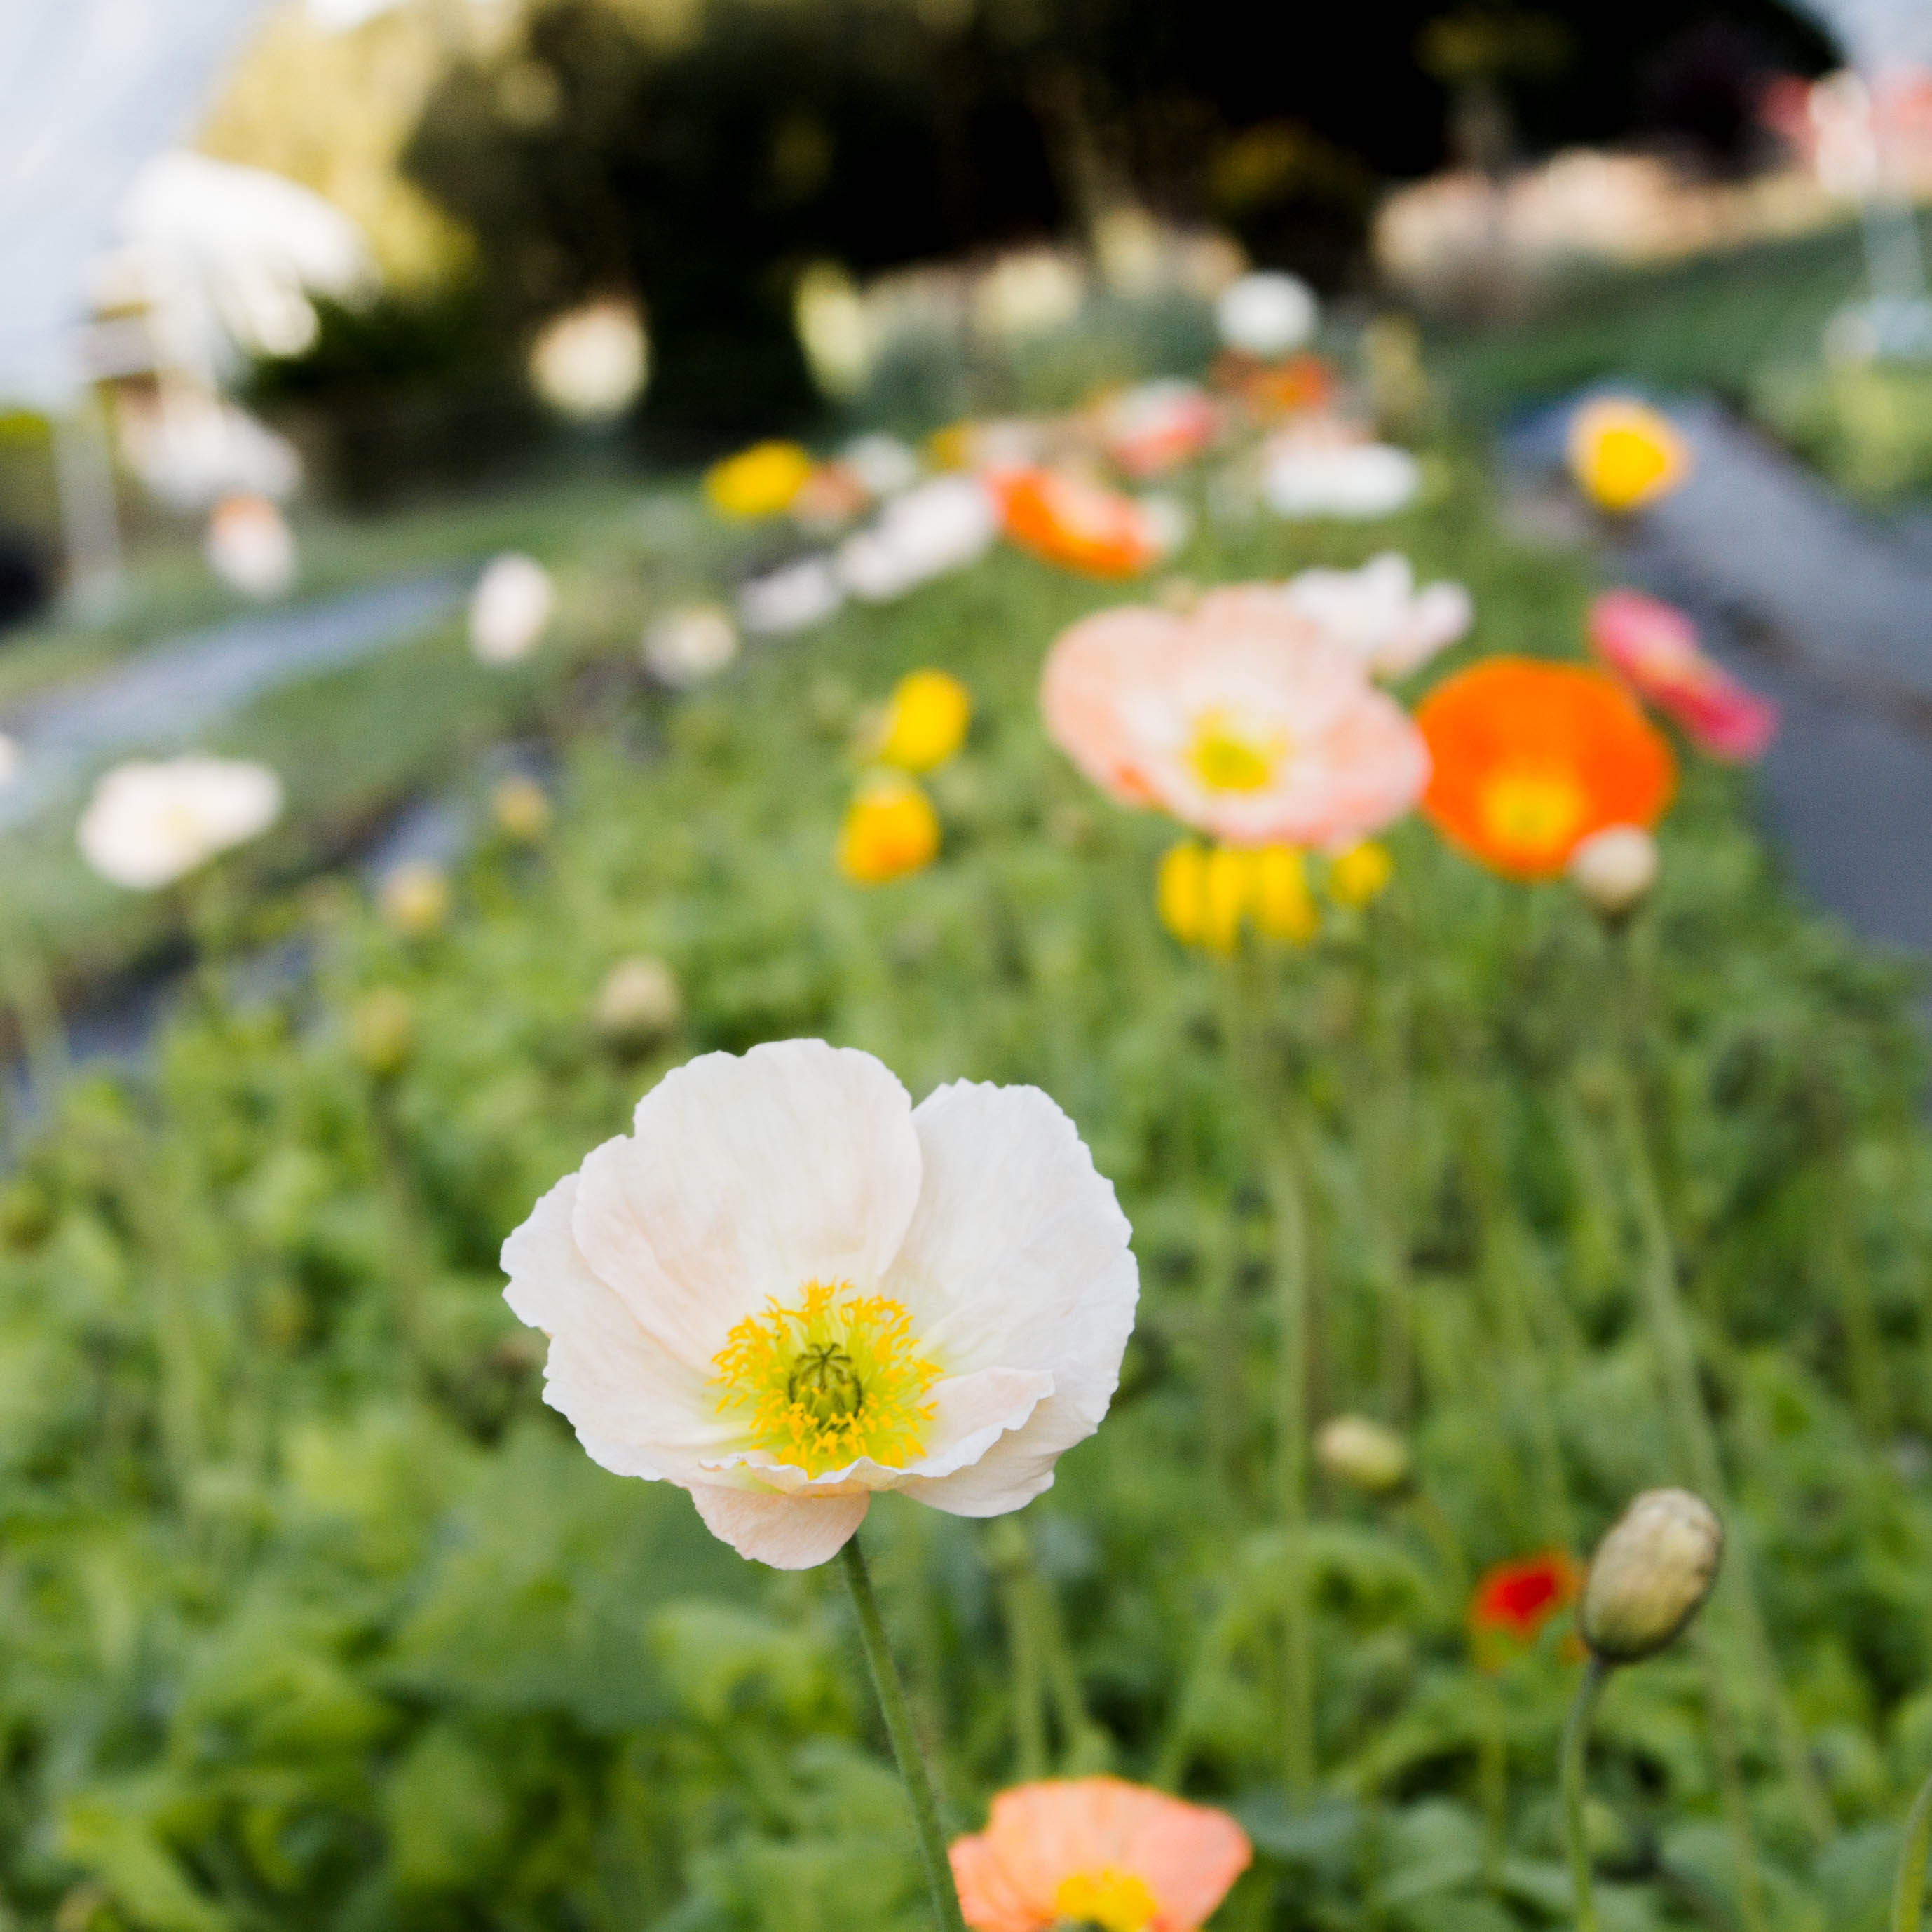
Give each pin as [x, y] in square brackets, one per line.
[793, 599]
[1344, 479]
[249, 548]
[882, 464]
[1380, 614]
[687, 646]
[1266, 314]
[789, 1288]
[510, 609]
[941, 526]
[149, 824]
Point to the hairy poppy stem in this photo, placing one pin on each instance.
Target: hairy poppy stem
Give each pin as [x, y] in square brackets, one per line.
[1575, 1740]
[1677, 1362]
[1908, 1896]
[893, 1707]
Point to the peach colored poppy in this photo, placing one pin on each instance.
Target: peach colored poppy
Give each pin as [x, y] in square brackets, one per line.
[1096, 1851]
[1241, 718]
[1080, 525]
[1530, 758]
[1653, 646]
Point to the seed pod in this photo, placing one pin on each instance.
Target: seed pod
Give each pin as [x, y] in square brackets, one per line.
[639, 1002]
[1614, 868]
[1650, 1574]
[1364, 1453]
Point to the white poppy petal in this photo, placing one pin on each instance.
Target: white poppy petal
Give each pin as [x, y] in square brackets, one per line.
[786, 1532]
[746, 1179]
[1017, 1259]
[636, 1407]
[973, 1412]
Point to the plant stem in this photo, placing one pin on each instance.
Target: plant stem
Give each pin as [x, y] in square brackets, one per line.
[893, 1707]
[1690, 1422]
[1730, 1781]
[1908, 1896]
[1012, 1560]
[1576, 1738]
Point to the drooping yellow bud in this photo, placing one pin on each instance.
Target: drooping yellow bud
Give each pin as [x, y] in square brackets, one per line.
[890, 830]
[1361, 874]
[925, 722]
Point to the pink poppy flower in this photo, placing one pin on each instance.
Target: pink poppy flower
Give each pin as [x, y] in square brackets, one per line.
[1096, 1851]
[1157, 427]
[1653, 647]
[1243, 718]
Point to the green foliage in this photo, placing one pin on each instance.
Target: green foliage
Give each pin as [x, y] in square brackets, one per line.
[316, 1618]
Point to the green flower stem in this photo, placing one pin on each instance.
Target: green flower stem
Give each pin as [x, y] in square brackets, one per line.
[1012, 1563]
[1691, 1422]
[1274, 1119]
[893, 1707]
[1908, 1896]
[1575, 1740]
[1730, 1781]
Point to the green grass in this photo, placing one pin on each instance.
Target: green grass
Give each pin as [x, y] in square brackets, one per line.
[316, 1617]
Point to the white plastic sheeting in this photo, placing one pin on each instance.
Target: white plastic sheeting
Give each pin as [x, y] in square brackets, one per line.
[1877, 35]
[89, 89]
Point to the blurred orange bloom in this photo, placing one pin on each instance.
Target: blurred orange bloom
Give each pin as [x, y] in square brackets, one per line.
[1096, 1851]
[1079, 525]
[1530, 758]
[1272, 390]
[1241, 718]
[1513, 1601]
[890, 830]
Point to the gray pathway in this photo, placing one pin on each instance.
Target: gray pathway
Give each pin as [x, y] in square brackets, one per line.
[162, 697]
[1830, 612]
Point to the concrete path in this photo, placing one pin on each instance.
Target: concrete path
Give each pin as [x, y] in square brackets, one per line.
[162, 697]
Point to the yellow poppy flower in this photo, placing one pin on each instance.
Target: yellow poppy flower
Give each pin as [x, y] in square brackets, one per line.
[925, 722]
[1205, 893]
[1624, 455]
[759, 481]
[890, 830]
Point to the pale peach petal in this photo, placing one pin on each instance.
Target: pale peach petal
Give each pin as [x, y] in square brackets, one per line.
[1086, 672]
[786, 1532]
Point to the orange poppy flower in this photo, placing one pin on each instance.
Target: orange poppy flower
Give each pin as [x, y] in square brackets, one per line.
[1530, 758]
[1096, 1851]
[1079, 525]
[1513, 1601]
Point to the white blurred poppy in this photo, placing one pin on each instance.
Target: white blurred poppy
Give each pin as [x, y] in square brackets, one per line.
[593, 363]
[788, 1289]
[686, 647]
[792, 599]
[150, 823]
[942, 526]
[510, 609]
[1392, 626]
[884, 464]
[1266, 314]
[1338, 479]
[250, 547]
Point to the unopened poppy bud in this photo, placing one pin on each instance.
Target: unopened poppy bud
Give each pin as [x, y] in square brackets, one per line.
[638, 1002]
[1615, 867]
[1363, 1454]
[1650, 1574]
[415, 899]
[521, 809]
[382, 1030]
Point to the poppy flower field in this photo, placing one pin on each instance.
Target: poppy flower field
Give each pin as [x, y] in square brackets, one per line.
[1120, 1194]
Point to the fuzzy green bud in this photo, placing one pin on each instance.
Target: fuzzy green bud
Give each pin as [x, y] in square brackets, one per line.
[1363, 1454]
[1650, 1574]
[382, 1031]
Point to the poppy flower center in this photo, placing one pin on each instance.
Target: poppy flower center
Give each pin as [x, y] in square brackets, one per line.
[831, 1379]
[1228, 754]
[1533, 813]
[1115, 1900]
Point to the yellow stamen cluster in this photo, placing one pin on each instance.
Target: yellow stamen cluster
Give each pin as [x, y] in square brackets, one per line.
[1226, 755]
[1113, 1900]
[1533, 813]
[832, 1379]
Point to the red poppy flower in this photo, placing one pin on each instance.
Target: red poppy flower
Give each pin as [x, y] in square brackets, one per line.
[1513, 1601]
